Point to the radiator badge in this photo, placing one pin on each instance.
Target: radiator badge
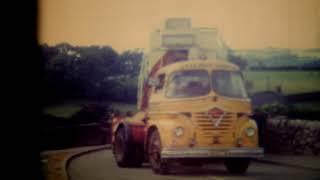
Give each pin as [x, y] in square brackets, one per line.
[216, 115]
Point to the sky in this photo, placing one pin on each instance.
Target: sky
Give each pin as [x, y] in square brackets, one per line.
[126, 24]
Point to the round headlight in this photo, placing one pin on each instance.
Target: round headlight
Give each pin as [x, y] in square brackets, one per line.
[250, 131]
[178, 131]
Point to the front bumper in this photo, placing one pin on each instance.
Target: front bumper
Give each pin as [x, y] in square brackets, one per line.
[174, 153]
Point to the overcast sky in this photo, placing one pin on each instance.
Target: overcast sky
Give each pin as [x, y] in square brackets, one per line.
[126, 24]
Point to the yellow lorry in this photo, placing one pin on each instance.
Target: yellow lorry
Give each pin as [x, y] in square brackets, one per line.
[191, 111]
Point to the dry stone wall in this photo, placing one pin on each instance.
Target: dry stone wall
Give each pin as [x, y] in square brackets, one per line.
[293, 136]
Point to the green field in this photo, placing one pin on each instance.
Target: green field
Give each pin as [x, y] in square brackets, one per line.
[63, 110]
[291, 82]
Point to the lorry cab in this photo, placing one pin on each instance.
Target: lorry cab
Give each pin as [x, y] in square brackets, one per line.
[190, 110]
[200, 109]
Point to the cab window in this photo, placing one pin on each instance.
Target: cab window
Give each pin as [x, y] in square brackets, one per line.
[229, 83]
[188, 83]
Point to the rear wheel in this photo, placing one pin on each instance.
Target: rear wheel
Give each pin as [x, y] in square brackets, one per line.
[237, 165]
[154, 154]
[126, 154]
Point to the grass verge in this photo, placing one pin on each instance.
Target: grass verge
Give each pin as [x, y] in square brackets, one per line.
[54, 162]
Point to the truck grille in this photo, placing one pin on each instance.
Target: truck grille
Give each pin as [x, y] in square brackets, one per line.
[209, 134]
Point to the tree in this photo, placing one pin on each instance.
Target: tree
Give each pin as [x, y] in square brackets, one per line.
[94, 72]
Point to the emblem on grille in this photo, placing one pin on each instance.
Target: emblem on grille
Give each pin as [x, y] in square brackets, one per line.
[216, 115]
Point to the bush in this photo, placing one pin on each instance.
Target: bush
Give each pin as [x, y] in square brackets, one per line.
[291, 111]
[292, 136]
[91, 113]
[274, 109]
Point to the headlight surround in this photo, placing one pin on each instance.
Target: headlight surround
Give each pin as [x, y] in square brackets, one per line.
[250, 132]
[178, 131]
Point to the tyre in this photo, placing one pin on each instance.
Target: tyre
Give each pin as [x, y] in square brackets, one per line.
[137, 156]
[154, 149]
[237, 165]
[126, 154]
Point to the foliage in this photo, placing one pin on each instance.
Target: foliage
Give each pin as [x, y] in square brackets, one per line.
[274, 109]
[291, 111]
[89, 72]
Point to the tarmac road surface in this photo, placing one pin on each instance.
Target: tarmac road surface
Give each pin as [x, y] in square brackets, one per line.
[100, 165]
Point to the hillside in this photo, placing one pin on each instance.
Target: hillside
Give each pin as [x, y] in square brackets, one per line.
[279, 57]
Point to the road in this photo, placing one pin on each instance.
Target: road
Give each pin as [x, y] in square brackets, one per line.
[100, 165]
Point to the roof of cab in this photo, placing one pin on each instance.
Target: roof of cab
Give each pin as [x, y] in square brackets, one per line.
[200, 64]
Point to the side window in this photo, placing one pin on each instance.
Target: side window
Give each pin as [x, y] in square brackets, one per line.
[160, 84]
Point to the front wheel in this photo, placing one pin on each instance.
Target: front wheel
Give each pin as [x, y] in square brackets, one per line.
[126, 154]
[154, 154]
[237, 165]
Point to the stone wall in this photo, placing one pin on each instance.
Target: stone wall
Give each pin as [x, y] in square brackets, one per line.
[293, 136]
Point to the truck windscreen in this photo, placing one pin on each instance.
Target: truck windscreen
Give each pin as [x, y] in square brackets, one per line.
[188, 83]
[229, 83]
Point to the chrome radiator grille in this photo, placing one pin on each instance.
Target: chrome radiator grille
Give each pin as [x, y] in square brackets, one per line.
[207, 129]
